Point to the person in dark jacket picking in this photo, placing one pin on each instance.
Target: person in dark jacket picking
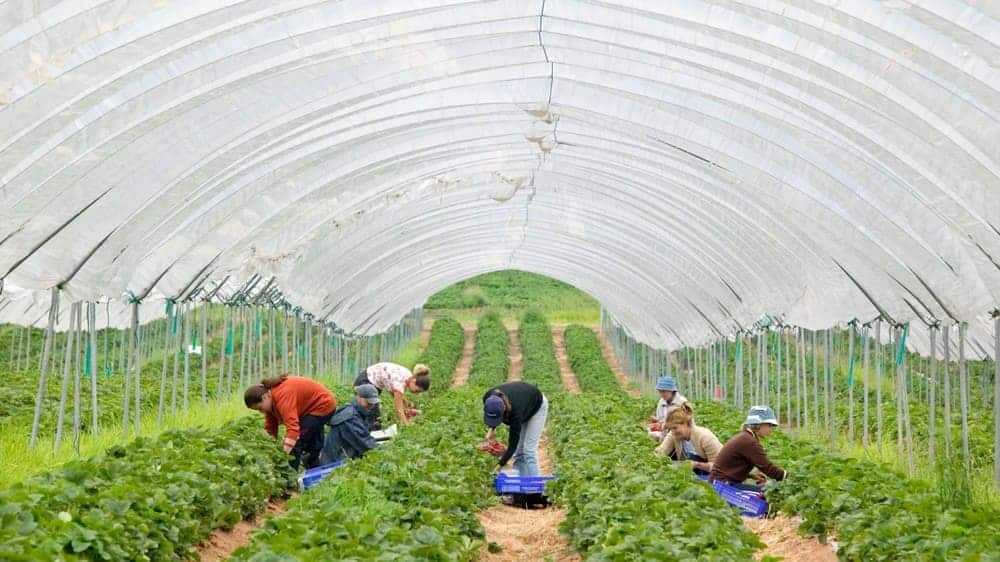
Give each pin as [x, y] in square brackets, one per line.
[349, 436]
[524, 408]
[742, 453]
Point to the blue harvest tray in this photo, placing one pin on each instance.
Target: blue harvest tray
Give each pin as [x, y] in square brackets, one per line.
[507, 484]
[313, 475]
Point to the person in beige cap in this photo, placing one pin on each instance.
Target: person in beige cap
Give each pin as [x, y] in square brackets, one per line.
[395, 379]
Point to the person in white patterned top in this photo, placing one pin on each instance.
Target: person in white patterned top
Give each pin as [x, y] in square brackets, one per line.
[395, 379]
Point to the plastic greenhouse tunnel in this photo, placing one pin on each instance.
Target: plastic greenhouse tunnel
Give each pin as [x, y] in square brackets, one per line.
[790, 203]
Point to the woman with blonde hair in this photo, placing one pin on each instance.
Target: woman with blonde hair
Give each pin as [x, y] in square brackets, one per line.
[395, 379]
[685, 441]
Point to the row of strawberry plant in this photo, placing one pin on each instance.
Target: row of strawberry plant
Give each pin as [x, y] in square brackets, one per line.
[413, 498]
[492, 352]
[587, 361]
[153, 499]
[443, 351]
[539, 357]
[877, 513]
[624, 502]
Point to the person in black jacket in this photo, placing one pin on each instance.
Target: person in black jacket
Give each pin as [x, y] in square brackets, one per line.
[349, 435]
[524, 408]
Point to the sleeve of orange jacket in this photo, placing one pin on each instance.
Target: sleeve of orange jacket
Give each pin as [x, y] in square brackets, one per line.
[288, 408]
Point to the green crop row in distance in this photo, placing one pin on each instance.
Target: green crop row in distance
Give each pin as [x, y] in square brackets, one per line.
[540, 367]
[492, 353]
[444, 349]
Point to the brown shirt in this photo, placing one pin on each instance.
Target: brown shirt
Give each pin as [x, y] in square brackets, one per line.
[739, 456]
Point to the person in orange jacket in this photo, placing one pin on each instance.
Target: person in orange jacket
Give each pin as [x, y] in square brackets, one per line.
[302, 405]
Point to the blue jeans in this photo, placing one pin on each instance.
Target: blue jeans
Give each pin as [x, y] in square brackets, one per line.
[747, 487]
[526, 455]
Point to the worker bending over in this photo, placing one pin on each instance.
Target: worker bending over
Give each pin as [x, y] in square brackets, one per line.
[350, 435]
[302, 405]
[395, 379]
[685, 441]
[524, 408]
[743, 453]
[670, 398]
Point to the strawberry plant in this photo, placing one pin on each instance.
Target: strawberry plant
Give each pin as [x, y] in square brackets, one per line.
[623, 502]
[587, 361]
[540, 366]
[414, 498]
[491, 363]
[443, 351]
[153, 499]
[876, 512]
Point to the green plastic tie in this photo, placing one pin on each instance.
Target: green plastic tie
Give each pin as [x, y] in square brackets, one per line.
[850, 372]
[902, 344]
[87, 372]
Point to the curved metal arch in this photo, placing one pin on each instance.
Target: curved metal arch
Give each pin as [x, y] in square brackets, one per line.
[916, 246]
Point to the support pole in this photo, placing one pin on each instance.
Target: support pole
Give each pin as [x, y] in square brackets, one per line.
[850, 383]
[94, 406]
[43, 378]
[932, 398]
[963, 374]
[996, 398]
[866, 438]
[67, 368]
[203, 319]
[946, 374]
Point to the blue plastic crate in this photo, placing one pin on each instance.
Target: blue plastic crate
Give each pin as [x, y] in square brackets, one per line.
[749, 503]
[310, 477]
[507, 484]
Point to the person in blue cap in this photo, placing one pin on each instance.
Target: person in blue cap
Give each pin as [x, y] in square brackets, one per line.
[741, 454]
[524, 408]
[670, 398]
[349, 436]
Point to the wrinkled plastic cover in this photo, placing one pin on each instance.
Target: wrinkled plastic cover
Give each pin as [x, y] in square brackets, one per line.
[692, 164]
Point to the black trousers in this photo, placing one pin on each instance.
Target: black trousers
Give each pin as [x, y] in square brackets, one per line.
[310, 443]
[373, 416]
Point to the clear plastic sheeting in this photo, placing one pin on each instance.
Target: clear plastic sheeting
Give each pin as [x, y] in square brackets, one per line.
[692, 164]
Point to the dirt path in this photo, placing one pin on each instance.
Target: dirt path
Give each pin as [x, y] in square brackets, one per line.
[221, 544]
[527, 534]
[782, 538]
[609, 355]
[569, 381]
[425, 334]
[516, 359]
[461, 375]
